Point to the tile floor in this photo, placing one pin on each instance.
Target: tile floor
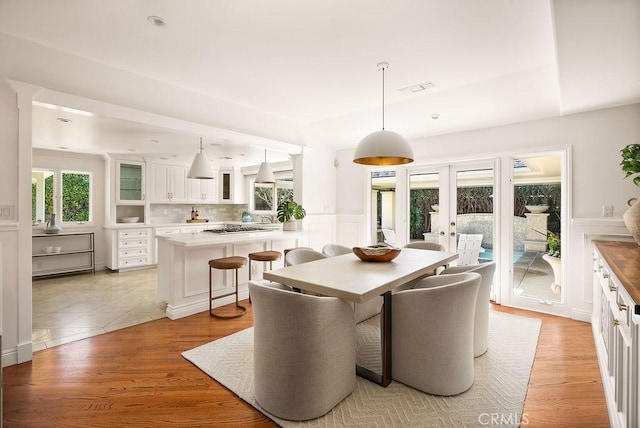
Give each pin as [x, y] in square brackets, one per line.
[70, 308]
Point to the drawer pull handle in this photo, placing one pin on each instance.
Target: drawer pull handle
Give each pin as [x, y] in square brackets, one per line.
[616, 322]
[622, 306]
[605, 275]
[613, 288]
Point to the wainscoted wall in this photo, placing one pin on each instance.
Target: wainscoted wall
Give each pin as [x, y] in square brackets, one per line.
[321, 229]
[352, 230]
[580, 274]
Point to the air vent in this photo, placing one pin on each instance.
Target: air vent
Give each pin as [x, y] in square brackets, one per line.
[417, 88]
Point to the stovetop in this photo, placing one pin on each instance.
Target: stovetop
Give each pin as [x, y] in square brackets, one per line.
[237, 229]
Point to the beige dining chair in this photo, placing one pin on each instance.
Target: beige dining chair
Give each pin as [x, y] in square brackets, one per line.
[332, 250]
[304, 352]
[424, 245]
[432, 334]
[302, 255]
[481, 323]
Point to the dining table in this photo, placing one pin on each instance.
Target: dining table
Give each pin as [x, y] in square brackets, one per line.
[354, 280]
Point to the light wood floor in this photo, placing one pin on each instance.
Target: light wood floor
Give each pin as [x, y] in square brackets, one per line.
[137, 377]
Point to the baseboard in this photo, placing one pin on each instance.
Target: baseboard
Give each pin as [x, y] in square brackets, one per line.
[10, 357]
[580, 315]
[181, 311]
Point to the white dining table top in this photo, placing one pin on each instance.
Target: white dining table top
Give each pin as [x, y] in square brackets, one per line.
[352, 279]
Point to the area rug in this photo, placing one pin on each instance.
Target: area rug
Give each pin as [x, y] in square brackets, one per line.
[496, 397]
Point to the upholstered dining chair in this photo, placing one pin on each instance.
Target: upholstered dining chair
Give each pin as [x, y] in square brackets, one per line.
[332, 250]
[481, 323]
[304, 352]
[302, 255]
[424, 245]
[432, 334]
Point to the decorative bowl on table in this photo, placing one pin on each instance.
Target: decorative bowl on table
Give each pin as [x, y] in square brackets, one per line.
[130, 219]
[376, 253]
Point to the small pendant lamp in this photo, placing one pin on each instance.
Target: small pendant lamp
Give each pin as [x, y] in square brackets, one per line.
[265, 175]
[200, 168]
[383, 147]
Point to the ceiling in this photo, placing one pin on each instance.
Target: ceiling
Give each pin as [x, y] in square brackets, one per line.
[491, 63]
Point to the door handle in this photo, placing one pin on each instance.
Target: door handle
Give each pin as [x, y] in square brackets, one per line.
[453, 234]
[442, 233]
[453, 223]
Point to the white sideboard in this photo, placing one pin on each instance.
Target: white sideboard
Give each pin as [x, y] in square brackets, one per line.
[616, 327]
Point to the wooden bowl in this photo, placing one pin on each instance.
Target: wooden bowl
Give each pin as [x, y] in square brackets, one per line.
[376, 253]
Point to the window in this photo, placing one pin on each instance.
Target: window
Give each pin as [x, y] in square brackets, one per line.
[264, 194]
[65, 193]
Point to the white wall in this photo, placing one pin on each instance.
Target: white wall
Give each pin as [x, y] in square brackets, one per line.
[595, 138]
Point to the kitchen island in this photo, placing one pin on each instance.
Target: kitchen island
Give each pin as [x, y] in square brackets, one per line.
[183, 265]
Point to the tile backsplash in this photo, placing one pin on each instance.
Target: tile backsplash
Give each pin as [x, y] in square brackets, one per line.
[172, 213]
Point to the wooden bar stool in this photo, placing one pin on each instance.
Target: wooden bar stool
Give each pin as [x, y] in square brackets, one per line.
[225, 263]
[291, 249]
[263, 256]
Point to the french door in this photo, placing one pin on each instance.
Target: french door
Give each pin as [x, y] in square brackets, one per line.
[454, 205]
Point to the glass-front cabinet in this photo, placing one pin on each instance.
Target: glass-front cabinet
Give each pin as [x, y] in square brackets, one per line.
[130, 182]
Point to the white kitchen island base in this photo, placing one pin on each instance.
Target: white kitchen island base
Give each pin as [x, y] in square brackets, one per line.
[183, 266]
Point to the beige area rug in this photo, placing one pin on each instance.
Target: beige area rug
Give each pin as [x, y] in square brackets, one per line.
[495, 399]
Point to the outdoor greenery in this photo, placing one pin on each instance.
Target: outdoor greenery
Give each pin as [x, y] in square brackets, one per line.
[263, 195]
[75, 197]
[480, 200]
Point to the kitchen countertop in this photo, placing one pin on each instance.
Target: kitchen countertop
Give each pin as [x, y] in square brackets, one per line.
[212, 224]
[206, 238]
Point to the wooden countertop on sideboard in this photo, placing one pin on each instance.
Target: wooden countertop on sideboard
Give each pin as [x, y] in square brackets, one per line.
[624, 260]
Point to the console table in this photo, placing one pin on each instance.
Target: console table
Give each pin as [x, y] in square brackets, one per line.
[616, 327]
[76, 253]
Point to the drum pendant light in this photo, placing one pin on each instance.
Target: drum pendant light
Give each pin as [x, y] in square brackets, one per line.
[383, 147]
[265, 175]
[200, 168]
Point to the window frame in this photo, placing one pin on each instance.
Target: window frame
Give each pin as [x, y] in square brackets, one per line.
[57, 174]
[281, 178]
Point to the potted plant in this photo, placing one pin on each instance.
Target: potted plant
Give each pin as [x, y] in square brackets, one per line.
[631, 167]
[246, 216]
[553, 258]
[288, 213]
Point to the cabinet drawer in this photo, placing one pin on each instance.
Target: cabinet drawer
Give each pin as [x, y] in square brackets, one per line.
[132, 252]
[133, 243]
[134, 261]
[141, 233]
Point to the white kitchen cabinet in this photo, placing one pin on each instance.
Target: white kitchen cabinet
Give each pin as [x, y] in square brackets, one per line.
[168, 183]
[130, 182]
[615, 327]
[203, 191]
[231, 186]
[129, 248]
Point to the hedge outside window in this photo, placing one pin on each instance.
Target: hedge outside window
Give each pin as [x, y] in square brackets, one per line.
[74, 205]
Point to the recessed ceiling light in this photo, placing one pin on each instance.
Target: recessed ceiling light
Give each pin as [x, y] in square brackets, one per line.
[434, 116]
[417, 88]
[131, 150]
[63, 120]
[156, 21]
[154, 141]
[215, 144]
[226, 157]
[64, 147]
